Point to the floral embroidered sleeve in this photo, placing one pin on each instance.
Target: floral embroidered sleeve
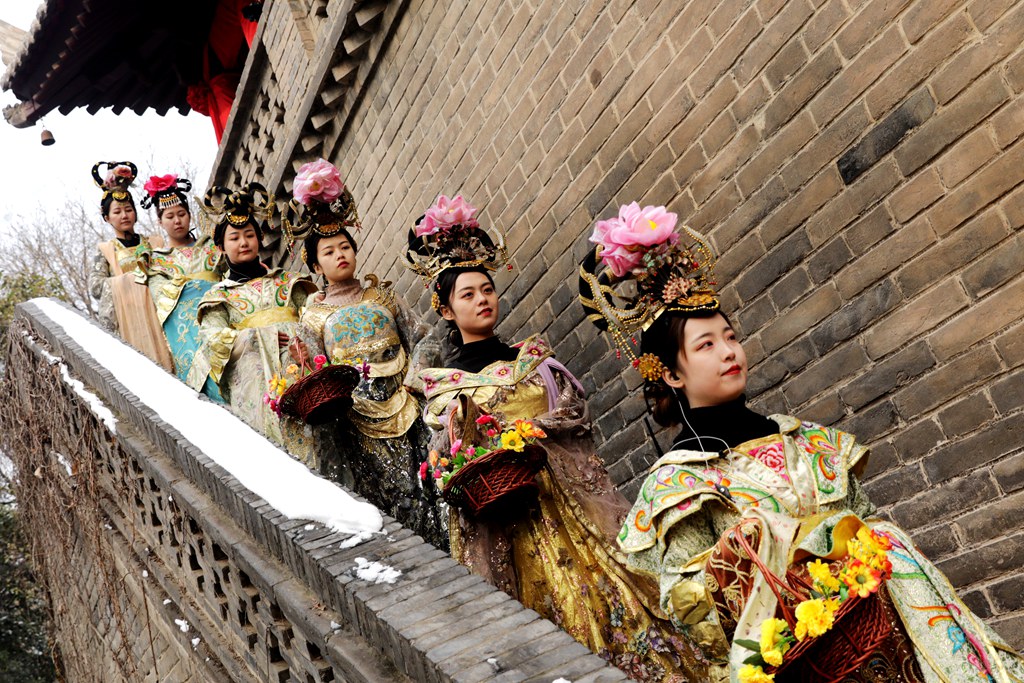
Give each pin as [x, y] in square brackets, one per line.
[857, 500]
[679, 562]
[99, 289]
[217, 338]
[98, 273]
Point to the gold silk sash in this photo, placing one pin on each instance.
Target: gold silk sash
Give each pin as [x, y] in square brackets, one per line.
[208, 275]
[270, 316]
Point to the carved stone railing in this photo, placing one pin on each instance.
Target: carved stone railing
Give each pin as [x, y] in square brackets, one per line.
[162, 566]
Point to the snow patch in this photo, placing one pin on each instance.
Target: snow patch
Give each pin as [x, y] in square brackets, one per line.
[64, 462]
[50, 358]
[145, 574]
[92, 400]
[195, 642]
[353, 541]
[561, 680]
[182, 624]
[167, 601]
[259, 465]
[375, 572]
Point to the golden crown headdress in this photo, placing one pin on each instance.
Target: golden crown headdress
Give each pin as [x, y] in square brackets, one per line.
[667, 271]
[120, 175]
[223, 207]
[449, 236]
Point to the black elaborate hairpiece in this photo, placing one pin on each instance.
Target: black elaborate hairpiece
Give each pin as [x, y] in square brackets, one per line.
[673, 274]
[163, 192]
[224, 207]
[449, 236]
[120, 176]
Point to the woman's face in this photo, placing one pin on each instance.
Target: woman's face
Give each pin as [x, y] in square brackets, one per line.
[473, 306]
[121, 217]
[176, 222]
[711, 367]
[335, 258]
[241, 244]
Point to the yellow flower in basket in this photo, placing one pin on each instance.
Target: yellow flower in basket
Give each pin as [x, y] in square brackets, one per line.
[755, 674]
[512, 440]
[822, 575]
[814, 617]
[773, 640]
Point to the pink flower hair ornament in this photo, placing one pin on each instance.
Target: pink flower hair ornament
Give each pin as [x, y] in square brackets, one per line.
[448, 235]
[119, 177]
[317, 181]
[445, 214]
[165, 191]
[673, 270]
[320, 204]
[625, 238]
[159, 183]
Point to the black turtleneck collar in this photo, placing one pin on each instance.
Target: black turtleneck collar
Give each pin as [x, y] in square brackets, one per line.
[243, 272]
[475, 356]
[732, 422]
[132, 240]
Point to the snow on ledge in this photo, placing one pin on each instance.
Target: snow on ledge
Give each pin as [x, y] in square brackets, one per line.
[259, 465]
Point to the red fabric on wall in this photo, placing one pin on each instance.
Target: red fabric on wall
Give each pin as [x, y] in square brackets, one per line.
[223, 58]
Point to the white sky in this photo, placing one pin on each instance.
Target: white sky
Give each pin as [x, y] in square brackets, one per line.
[33, 177]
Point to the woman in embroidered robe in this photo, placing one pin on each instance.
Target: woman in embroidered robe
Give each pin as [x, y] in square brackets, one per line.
[789, 487]
[795, 484]
[180, 274]
[380, 443]
[559, 557]
[125, 306]
[248, 322]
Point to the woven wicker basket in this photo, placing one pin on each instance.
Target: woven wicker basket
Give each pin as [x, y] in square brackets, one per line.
[860, 627]
[321, 396]
[488, 482]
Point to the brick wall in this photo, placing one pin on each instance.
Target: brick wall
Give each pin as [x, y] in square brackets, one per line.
[856, 163]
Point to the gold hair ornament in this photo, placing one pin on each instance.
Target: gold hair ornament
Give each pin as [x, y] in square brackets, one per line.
[223, 206]
[670, 278]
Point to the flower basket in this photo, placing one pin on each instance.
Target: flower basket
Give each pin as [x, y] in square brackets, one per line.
[321, 396]
[489, 481]
[861, 626]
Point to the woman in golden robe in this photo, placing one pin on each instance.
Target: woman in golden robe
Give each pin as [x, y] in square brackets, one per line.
[179, 274]
[125, 306]
[557, 556]
[379, 443]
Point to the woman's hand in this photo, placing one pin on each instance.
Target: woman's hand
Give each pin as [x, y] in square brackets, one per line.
[297, 348]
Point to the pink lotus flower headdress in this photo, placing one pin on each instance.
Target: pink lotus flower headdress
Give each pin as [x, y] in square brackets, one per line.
[317, 181]
[321, 203]
[119, 177]
[672, 271]
[449, 236]
[165, 191]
